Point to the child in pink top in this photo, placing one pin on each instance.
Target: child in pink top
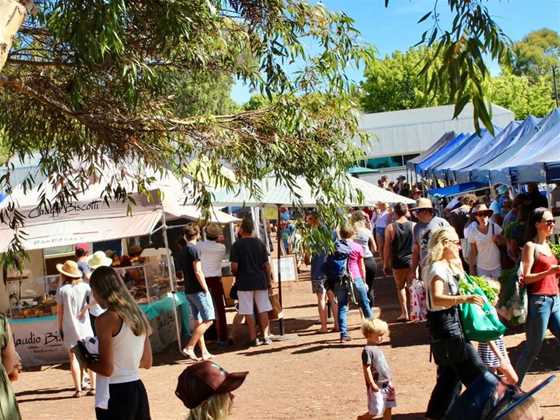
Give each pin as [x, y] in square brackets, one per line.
[356, 269]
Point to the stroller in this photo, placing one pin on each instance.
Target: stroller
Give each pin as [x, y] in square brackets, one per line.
[488, 398]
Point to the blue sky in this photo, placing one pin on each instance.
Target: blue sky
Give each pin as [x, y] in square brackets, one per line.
[395, 27]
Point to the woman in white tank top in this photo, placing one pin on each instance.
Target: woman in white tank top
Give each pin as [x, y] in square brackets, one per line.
[124, 347]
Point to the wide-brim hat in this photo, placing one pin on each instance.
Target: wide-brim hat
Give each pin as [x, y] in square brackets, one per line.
[423, 204]
[70, 269]
[99, 259]
[200, 381]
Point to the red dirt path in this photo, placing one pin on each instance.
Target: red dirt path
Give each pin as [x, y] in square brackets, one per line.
[309, 376]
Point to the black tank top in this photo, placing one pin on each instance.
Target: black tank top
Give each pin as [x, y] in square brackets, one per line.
[401, 247]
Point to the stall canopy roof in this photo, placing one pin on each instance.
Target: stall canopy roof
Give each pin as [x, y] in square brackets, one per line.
[442, 141]
[272, 193]
[442, 154]
[529, 165]
[516, 140]
[86, 222]
[496, 146]
[466, 153]
[457, 189]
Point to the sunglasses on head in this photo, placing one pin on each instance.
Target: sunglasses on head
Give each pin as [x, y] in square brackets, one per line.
[484, 213]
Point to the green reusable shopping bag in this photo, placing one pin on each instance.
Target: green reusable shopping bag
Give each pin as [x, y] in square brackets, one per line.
[480, 323]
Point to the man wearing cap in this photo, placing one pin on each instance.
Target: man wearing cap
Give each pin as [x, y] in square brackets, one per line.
[212, 253]
[427, 222]
[209, 383]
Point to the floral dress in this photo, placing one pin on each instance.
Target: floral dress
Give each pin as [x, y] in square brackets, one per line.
[8, 405]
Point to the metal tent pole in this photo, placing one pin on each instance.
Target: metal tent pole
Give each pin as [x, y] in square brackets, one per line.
[171, 280]
[279, 239]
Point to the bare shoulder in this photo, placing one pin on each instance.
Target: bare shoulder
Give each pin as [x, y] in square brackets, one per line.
[108, 318]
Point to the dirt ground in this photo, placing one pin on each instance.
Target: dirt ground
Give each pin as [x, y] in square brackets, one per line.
[307, 376]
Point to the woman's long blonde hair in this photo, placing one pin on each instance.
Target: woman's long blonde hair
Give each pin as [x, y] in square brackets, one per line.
[217, 407]
[109, 286]
[439, 240]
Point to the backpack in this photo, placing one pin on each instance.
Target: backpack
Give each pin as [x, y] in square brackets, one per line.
[335, 265]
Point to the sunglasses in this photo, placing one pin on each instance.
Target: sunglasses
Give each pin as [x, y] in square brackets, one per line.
[550, 222]
[484, 213]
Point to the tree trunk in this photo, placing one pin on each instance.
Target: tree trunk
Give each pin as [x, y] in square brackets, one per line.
[12, 14]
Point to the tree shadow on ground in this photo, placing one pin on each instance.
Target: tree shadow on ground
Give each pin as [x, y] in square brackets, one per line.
[19, 401]
[406, 334]
[277, 348]
[43, 391]
[293, 325]
[546, 361]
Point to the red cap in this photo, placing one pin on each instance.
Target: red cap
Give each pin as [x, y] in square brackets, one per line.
[203, 380]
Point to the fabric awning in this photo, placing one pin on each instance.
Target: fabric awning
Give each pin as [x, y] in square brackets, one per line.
[457, 189]
[274, 193]
[194, 213]
[61, 231]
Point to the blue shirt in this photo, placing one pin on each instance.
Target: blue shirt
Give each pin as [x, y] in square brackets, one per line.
[319, 259]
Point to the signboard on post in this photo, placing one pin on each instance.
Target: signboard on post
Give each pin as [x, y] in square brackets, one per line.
[288, 267]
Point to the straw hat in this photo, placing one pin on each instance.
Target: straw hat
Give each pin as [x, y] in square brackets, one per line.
[69, 269]
[213, 230]
[99, 259]
[423, 204]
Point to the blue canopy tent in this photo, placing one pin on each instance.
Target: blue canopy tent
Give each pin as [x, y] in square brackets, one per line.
[457, 189]
[516, 140]
[468, 151]
[441, 155]
[529, 164]
[440, 143]
[500, 142]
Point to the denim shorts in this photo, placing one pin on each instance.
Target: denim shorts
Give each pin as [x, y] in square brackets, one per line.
[201, 306]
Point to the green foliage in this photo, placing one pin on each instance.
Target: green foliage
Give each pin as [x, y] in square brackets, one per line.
[146, 81]
[128, 80]
[462, 48]
[394, 83]
[520, 95]
[536, 54]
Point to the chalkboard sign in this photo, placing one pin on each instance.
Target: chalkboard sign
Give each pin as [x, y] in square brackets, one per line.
[288, 267]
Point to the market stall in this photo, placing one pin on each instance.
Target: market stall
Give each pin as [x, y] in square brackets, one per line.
[151, 279]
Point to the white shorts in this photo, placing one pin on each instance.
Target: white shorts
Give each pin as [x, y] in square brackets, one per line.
[249, 297]
[378, 402]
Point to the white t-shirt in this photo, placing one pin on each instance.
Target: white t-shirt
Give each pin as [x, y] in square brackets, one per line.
[488, 255]
[447, 274]
[212, 254]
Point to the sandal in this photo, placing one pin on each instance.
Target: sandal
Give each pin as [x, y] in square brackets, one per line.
[77, 394]
[90, 392]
